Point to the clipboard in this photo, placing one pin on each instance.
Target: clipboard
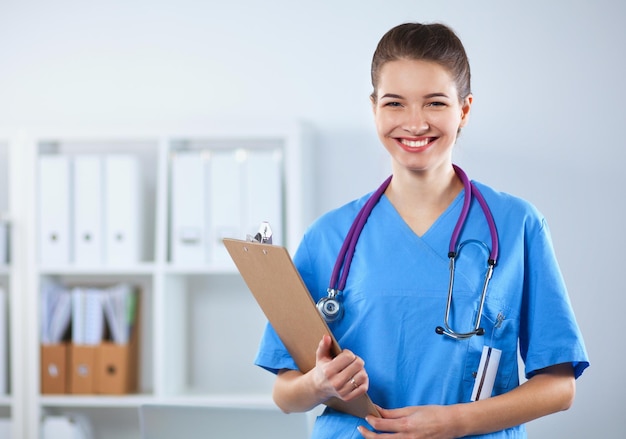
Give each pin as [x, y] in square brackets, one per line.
[275, 283]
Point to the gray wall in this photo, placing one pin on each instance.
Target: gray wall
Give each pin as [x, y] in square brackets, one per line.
[547, 123]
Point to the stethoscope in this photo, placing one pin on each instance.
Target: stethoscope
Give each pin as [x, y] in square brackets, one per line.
[331, 308]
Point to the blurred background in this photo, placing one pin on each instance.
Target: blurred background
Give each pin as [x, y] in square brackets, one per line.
[548, 82]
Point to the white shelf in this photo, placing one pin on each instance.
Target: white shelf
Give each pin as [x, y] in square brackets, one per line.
[199, 324]
[145, 269]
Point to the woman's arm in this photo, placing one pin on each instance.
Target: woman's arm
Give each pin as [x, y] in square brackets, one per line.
[342, 377]
[550, 390]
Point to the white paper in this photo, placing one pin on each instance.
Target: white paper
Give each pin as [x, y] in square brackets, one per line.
[262, 195]
[87, 316]
[486, 376]
[56, 312]
[119, 304]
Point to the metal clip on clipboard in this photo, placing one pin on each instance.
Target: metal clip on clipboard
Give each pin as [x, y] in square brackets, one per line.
[263, 236]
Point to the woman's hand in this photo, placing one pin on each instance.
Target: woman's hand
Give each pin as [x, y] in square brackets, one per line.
[550, 390]
[421, 422]
[343, 376]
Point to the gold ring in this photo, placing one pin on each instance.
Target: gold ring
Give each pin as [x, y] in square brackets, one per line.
[354, 384]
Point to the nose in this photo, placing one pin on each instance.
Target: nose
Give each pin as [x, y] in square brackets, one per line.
[416, 122]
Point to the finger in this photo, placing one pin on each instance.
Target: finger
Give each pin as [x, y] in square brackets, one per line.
[395, 413]
[323, 349]
[368, 434]
[389, 425]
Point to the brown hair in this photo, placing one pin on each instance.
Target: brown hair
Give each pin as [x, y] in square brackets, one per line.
[429, 42]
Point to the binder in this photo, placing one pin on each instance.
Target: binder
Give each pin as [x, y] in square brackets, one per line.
[4, 242]
[54, 210]
[87, 211]
[282, 295]
[187, 233]
[262, 195]
[225, 209]
[4, 357]
[123, 209]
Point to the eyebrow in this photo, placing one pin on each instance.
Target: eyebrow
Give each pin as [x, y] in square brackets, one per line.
[428, 96]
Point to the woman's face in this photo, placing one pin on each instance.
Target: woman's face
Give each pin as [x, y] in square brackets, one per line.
[418, 114]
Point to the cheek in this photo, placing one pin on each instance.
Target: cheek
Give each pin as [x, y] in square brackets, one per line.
[385, 121]
[448, 122]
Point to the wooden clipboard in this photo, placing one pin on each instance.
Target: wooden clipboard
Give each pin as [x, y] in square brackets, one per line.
[275, 283]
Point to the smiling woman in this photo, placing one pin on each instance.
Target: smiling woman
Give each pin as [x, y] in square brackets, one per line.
[400, 246]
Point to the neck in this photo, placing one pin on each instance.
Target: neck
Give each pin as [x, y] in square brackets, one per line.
[425, 188]
[421, 197]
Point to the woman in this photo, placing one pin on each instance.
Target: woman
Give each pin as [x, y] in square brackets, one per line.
[429, 383]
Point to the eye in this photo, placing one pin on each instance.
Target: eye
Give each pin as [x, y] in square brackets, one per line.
[436, 104]
[392, 104]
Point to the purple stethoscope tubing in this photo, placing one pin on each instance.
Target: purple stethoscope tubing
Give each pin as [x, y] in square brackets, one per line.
[346, 253]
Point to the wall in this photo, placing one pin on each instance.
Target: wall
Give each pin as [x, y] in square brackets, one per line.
[547, 121]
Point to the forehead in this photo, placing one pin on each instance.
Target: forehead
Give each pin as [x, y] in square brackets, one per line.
[415, 76]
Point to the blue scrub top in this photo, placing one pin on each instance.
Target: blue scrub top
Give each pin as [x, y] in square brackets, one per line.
[396, 295]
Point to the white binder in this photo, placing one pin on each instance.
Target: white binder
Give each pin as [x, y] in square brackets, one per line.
[4, 357]
[187, 232]
[262, 195]
[225, 209]
[54, 210]
[123, 209]
[87, 211]
[4, 242]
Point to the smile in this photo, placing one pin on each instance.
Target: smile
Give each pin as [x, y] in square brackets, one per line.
[416, 143]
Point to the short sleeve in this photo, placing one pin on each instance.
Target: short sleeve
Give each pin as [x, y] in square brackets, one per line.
[549, 333]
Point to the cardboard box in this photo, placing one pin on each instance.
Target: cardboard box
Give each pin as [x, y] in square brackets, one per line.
[54, 368]
[82, 363]
[106, 368]
[116, 368]
[117, 364]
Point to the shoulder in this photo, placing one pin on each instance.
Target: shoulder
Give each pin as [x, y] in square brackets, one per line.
[508, 207]
[336, 222]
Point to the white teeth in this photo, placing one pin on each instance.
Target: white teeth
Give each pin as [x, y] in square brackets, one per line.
[414, 143]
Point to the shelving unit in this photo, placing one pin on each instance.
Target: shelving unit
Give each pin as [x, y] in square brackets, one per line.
[6, 398]
[199, 325]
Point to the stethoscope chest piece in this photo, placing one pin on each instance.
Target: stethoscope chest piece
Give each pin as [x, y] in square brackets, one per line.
[330, 306]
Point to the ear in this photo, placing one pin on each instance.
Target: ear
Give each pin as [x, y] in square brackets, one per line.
[373, 102]
[465, 110]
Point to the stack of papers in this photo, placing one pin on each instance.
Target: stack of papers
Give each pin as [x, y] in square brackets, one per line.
[87, 316]
[56, 312]
[120, 303]
[90, 310]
